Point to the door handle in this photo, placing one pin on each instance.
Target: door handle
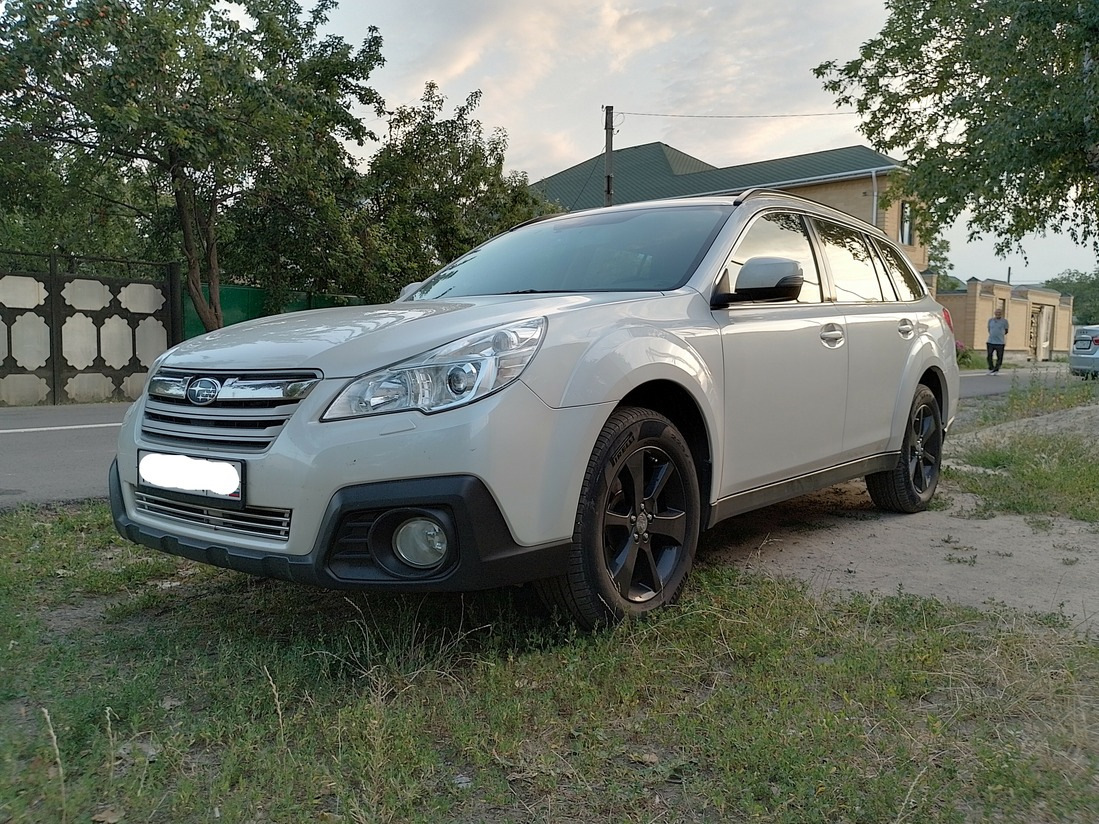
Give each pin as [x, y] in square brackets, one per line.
[832, 335]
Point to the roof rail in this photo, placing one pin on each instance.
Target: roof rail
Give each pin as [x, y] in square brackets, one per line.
[739, 195]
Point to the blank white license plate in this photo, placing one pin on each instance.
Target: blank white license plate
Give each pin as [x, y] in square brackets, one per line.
[223, 480]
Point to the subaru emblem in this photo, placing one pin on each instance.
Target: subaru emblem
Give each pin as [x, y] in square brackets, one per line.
[203, 391]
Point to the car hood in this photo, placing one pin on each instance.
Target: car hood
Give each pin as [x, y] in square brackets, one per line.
[350, 341]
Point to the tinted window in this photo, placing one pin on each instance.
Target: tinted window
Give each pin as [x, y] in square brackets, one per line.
[851, 263]
[908, 283]
[649, 250]
[779, 235]
[884, 280]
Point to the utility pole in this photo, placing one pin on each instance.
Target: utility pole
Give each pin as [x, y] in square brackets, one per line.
[608, 156]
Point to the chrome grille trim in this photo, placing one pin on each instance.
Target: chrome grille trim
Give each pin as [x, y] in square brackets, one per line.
[246, 416]
[253, 521]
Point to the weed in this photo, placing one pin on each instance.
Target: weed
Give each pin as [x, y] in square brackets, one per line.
[1041, 475]
[1039, 523]
[1036, 395]
[965, 560]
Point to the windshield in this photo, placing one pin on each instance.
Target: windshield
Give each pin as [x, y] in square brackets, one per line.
[643, 250]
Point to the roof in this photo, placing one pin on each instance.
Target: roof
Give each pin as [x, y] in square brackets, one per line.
[656, 170]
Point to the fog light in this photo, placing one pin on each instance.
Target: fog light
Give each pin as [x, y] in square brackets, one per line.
[420, 542]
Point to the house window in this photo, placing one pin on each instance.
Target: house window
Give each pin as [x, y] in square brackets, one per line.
[907, 233]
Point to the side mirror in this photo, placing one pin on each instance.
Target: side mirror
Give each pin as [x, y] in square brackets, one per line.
[760, 278]
[409, 288]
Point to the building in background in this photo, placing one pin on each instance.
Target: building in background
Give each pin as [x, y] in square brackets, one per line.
[851, 179]
[1039, 320]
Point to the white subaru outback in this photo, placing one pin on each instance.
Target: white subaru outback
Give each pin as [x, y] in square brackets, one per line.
[569, 404]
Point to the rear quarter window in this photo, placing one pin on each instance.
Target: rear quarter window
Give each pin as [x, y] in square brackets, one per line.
[908, 283]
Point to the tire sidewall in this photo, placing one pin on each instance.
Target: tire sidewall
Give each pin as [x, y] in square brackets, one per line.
[632, 430]
[924, 397]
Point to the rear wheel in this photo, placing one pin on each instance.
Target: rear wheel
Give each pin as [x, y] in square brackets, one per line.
[637, 523]
[910, 485]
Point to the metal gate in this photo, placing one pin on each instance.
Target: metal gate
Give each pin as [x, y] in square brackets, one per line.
[85, 334]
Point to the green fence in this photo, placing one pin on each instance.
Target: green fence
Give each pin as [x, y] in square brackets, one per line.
[240, 303]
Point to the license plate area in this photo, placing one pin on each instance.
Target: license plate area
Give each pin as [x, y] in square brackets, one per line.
[193, 480]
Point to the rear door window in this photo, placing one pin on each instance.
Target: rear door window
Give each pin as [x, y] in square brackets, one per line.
[851, 263]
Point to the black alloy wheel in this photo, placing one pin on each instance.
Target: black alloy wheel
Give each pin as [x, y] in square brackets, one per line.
[911, 484]
[637, 523]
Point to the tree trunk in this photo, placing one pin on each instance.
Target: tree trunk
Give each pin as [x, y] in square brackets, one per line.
[209, 311]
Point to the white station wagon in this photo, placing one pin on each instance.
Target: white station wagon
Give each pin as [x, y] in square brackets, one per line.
[569, 404]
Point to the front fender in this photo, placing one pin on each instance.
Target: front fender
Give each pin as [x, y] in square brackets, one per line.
[600, 354]
[596, 361]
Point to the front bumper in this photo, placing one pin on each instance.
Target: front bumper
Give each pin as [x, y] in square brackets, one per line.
[485, 554]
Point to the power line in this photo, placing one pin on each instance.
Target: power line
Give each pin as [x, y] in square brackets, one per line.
[736, 116]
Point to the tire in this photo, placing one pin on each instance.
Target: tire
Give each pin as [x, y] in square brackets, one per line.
[910, 485]
[637, 523]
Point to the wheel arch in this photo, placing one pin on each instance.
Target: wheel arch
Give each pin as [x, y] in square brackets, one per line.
[935, 380]
[678, 405]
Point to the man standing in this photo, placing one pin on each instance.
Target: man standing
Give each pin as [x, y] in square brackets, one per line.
[997, 338]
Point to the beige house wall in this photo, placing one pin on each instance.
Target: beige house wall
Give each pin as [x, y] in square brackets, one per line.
[1029, 311]
[857, 197]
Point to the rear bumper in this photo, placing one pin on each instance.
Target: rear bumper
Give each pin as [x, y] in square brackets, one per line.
[349, 551]
[1083, 364]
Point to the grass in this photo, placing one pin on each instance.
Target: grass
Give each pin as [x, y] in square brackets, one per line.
[137, 687]
[1031, 395]
[1034, 474]
[150, 689]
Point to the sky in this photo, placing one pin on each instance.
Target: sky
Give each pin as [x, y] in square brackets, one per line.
[703, 76]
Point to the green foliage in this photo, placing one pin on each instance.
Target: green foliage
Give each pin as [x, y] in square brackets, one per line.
[967, 358]
[1084, 288]
[1028, 397]
[184, 99]
[436, 189]
[939, 265]
[993, 104]
[200, 694]
[1035, 473]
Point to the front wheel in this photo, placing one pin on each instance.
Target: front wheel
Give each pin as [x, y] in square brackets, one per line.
[910, 485]
[637, 523]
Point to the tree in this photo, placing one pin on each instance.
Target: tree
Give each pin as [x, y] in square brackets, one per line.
[995, 105]
[939, 265]
[183, 95]
[1084, 289]
[436, 189]
[43, 208]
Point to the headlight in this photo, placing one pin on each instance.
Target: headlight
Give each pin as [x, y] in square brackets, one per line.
[451, 375]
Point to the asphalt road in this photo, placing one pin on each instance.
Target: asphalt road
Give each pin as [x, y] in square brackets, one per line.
[977, 384]
[56, 453]
[62, 453]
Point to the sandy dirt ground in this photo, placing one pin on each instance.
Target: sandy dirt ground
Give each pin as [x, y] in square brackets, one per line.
[836, 540]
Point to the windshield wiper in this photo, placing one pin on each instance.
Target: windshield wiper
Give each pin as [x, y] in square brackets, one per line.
[538, 292]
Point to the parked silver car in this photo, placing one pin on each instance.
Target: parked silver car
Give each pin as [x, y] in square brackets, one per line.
[568, 404]
[1083, 358]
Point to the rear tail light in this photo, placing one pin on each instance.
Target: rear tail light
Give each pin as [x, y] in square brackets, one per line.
[949, 320]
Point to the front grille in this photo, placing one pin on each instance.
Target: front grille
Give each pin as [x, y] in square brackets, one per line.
[253, 521]
[246, 415]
